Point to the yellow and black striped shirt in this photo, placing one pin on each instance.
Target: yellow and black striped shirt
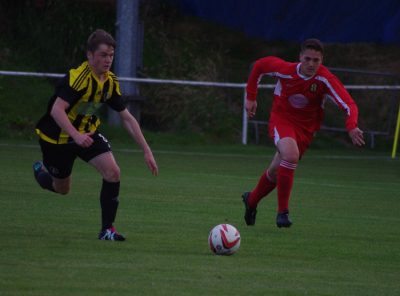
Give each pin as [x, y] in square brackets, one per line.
[85, 95]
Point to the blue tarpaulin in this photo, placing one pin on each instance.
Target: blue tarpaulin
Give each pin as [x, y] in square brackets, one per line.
[295, 20]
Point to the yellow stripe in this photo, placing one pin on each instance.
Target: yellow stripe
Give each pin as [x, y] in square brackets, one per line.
[77, 78]
[81, 78]
[115, 78]
[50, 140]
[396, 135]
[45, 138]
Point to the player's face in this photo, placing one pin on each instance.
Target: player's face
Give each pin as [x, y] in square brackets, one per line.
[101, 59]
[310, 61]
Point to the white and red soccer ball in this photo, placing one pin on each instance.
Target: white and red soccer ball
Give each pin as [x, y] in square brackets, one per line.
[224, 239]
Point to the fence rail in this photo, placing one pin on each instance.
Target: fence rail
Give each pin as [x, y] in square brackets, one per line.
[245, 121]
[190, 82]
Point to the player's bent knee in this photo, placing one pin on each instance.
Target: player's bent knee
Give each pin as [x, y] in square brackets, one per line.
[112, 175]
[291, 157]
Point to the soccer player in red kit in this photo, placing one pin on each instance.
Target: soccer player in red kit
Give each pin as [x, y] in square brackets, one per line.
[296, 114]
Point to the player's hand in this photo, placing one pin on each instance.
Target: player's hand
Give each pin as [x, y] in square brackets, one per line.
[251, 107]
[357, 136]
[84, 140]
[151, 162]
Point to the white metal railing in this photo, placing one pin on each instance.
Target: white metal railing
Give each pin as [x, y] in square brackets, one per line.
[199, 83]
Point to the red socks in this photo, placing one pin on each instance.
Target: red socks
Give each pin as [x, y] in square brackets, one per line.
[285, 183]
[264, 186]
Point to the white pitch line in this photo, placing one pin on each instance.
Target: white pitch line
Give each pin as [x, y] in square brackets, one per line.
[192, 153]
[377, 186]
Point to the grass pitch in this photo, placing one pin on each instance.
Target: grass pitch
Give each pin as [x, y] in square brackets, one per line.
[345, 239]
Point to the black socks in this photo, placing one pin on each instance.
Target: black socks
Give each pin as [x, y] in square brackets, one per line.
[109, 203]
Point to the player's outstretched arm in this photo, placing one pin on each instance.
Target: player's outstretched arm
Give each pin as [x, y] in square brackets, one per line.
[133, 128]
[357, 136]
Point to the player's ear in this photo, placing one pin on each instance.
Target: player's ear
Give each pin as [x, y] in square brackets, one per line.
[89, 54]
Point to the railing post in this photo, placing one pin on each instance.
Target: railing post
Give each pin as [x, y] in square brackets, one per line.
[244, 119]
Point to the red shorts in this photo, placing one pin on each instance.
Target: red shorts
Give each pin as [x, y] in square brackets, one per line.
[280, 128]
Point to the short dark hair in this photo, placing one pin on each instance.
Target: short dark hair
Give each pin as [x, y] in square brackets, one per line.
[99, 37]
[312, 43]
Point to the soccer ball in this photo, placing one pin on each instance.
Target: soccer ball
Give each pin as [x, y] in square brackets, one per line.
[224, 239]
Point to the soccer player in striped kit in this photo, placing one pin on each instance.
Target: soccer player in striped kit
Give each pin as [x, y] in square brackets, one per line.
[69, 129]
[296, 114]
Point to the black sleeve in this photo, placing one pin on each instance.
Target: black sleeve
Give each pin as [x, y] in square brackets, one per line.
[116, 102]
[66, 92]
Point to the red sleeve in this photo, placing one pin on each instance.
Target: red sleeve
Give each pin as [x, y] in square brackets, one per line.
[342, 98]
[263, 66]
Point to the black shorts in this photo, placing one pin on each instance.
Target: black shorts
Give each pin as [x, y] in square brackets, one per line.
[59, 158]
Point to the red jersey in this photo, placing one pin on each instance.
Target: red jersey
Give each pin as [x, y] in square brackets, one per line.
[300, 99]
